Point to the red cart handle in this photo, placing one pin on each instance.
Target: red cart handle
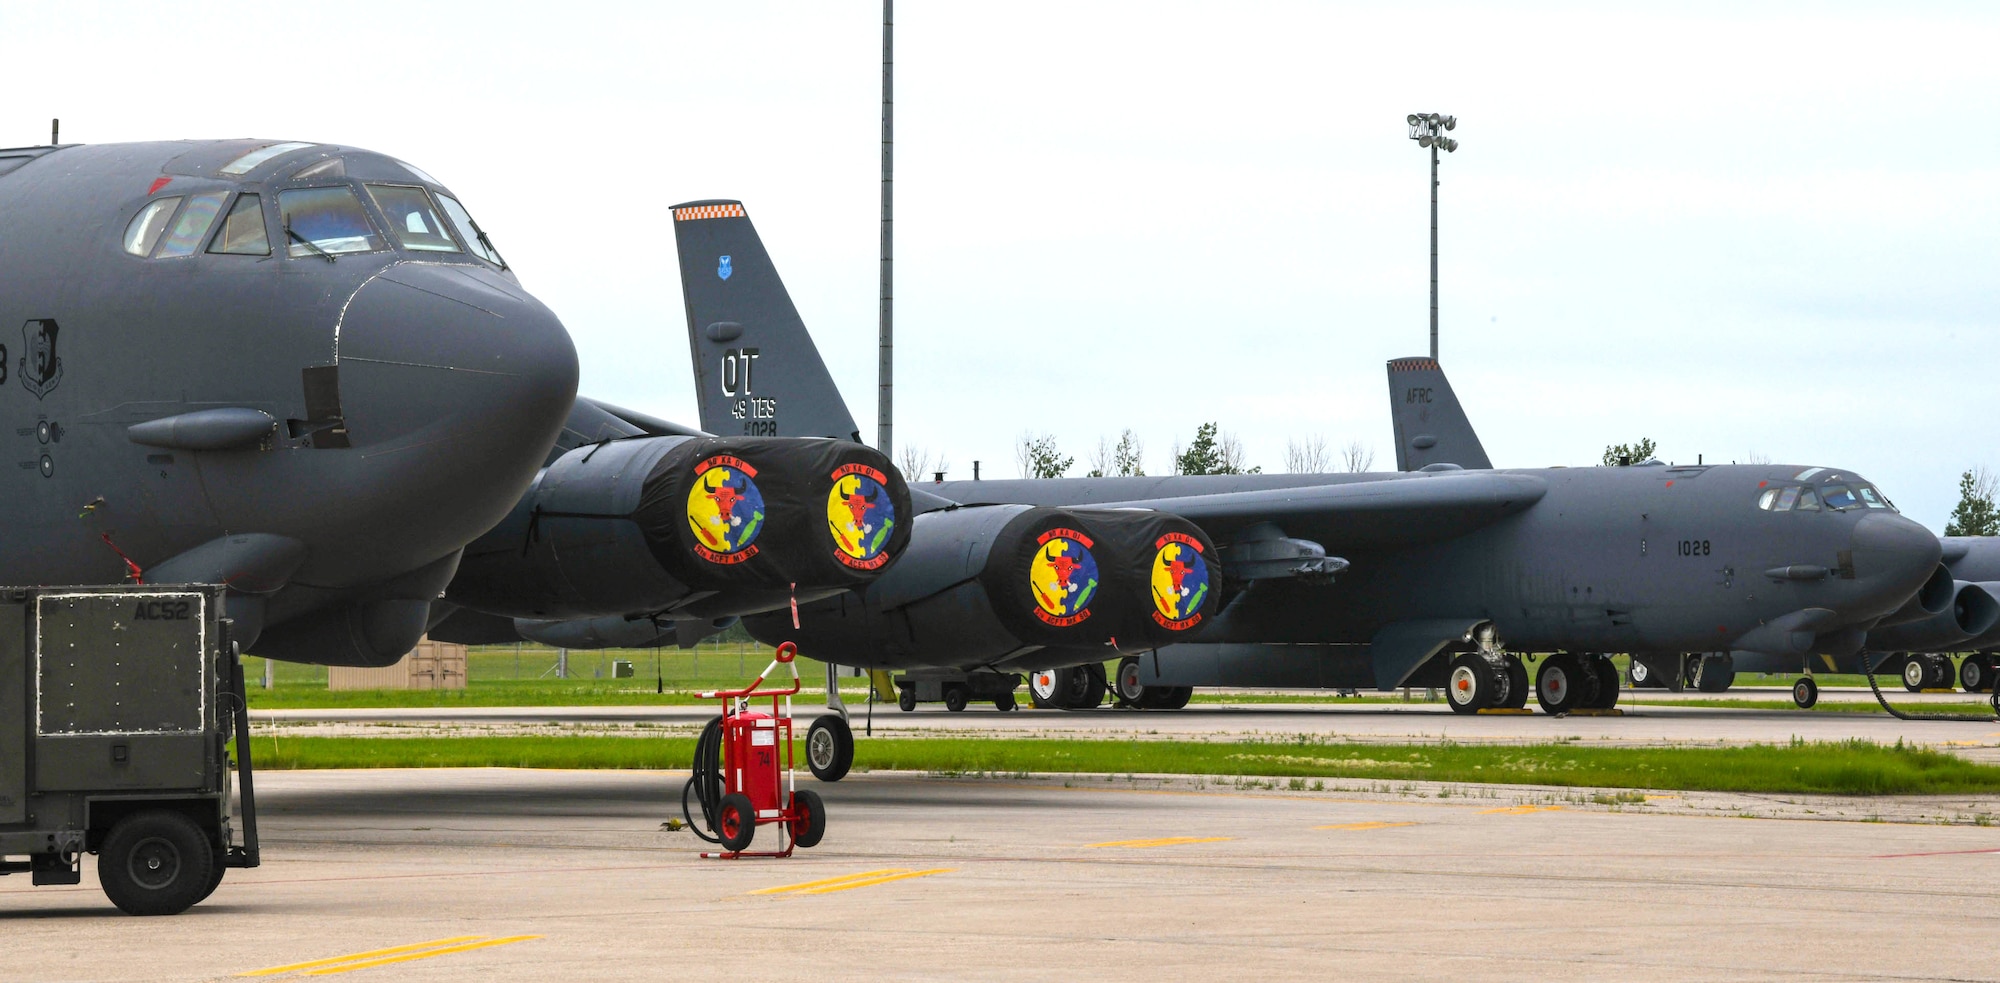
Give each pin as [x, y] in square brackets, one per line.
[786, 653]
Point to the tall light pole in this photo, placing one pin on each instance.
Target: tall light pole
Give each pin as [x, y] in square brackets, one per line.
[885, 366]
[1428, 130]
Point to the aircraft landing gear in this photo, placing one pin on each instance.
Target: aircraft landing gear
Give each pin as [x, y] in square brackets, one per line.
[830, 747]
[1975, 674]
[1570, 682]
[1474, 684]
[1075, 688]
[1132, 694]
[1805, 692]
[1922, 672]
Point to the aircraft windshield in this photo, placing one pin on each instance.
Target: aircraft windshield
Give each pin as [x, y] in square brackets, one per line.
[243, 230]
[148, 224]
[469, 230]
[1842, 497]
[193, 227]
[412, 219]
[325, 221]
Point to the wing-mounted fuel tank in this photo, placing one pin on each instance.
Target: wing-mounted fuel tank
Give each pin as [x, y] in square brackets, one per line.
[984, 584]
[714, 526]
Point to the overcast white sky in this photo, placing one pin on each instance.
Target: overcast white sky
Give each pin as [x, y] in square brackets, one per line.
[1735, 228]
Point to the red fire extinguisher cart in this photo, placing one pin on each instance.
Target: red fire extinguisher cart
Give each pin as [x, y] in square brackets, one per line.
[741, 778]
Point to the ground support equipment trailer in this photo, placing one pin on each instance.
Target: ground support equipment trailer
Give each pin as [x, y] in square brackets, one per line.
[116, 706]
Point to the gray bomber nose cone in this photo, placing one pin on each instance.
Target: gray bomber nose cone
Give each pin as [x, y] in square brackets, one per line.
[454, 383]
[1893, 557]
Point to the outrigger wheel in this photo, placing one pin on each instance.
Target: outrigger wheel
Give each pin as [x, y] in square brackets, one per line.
[1805, 692]
[830, 747]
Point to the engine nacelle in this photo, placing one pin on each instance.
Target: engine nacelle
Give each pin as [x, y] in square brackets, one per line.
[1974, 611]
[641, 525]
[1934, 597]
[987, 584]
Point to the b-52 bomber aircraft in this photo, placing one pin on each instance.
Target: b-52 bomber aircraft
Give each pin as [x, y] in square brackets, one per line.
[1405, 578]
[304, 371]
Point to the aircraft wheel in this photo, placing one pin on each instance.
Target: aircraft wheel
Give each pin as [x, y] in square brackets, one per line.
[1045, 689]
[1975, 674]
[1560, 686]
[1805, 692]
[156, 863]
[1914, 674]
[1125, 684]
[830, 747]
[1717, 674]
[1082, 688]
[1641, 675]
[1518, 686]
[1005, 702]
[736, 822]
[1470, 686]
[1606, 695]
[906, 698]
[956, 697]
[811, 822]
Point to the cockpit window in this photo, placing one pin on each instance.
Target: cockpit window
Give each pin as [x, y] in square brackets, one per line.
[243, 229]
[1840, 498]
[248, 162]
[412, 219]
[193, 226]
[1808, 502]
[469, 230]
[1873, 498]
[330, 168]
[148, 224]
[1786, 499]
[325, 221]
[1765, 500]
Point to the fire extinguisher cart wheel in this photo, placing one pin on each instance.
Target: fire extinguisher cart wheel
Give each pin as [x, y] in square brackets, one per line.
[745, 776]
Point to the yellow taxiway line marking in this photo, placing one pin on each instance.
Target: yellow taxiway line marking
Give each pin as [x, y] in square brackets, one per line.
[788, 888]
[447, 950]
[868, 878]
[899, 876]
[1518, 810]
[1361, 826]
[372, 953]
[1163, 841]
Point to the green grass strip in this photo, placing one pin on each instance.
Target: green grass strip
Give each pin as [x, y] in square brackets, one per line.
[1844, 768]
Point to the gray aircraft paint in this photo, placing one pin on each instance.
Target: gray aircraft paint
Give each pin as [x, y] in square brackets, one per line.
[756, 370]
[1593, 559]
[409, 396]
[1430, 427]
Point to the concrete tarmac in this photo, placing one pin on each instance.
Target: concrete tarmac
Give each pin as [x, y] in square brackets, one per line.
[495, 874]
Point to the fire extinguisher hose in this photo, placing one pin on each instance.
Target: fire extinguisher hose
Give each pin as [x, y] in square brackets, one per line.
[705, 785]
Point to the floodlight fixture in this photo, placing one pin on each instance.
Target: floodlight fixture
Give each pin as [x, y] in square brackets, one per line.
[1428, 130]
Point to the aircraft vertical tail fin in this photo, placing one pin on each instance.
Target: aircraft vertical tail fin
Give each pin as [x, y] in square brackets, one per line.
[1431, 428]
[756, 369]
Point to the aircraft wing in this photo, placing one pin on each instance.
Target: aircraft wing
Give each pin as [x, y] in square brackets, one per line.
[1362, 515]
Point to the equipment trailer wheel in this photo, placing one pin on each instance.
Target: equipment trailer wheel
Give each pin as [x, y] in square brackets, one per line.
[956, 697]
[1805, 692]
[830, 747]
[1170, 697]
[811, 824]
[906, 698]
[1560, 686]
[736, 822]
[156, 863]
[1470, 686]
[1005, 702]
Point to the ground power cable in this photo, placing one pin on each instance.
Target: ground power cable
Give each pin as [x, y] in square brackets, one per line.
[1868, 668]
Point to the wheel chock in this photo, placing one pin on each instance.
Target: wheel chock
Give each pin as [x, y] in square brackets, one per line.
[1506, 712]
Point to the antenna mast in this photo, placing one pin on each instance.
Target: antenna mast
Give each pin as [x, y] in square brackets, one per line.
[886, 365]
